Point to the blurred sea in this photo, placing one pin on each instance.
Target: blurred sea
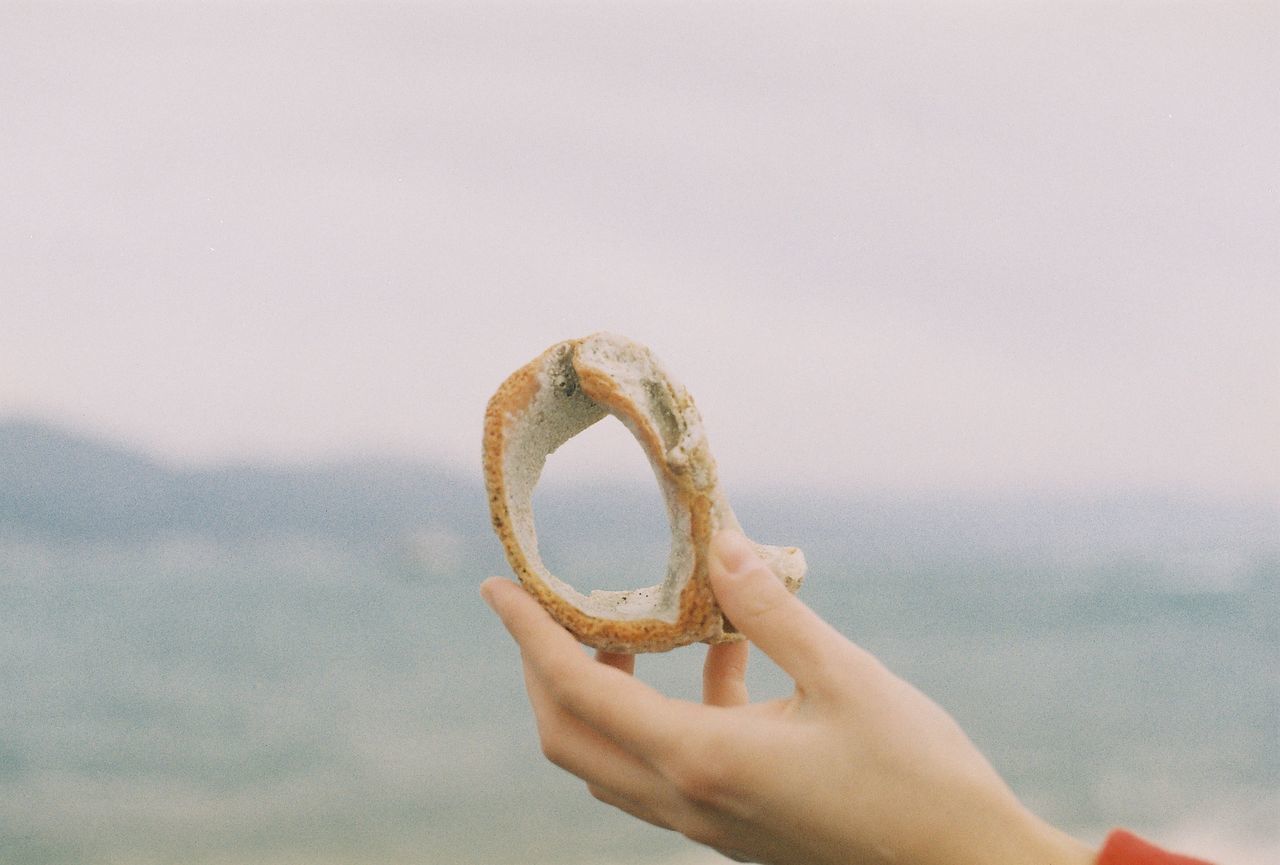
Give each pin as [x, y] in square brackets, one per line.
[302, 697]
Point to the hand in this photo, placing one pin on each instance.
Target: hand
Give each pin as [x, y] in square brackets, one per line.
[856, 767]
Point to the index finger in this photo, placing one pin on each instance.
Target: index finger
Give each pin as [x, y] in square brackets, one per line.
[618, 706]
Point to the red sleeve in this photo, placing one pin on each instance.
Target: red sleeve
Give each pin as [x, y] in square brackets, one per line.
[1125, 848]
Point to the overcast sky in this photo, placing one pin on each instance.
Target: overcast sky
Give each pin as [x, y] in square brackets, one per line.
[994, 246]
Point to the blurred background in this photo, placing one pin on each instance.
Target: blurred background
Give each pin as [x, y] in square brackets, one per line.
[978, 302]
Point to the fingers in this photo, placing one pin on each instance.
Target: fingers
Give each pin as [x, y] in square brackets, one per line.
[628, 742]
[577, 748]
[620, 708]
[759, 605]
[724, 674]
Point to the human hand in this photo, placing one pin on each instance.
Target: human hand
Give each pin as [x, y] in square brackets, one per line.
[857, 767]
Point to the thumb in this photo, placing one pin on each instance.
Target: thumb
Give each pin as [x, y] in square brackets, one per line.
[759, 605]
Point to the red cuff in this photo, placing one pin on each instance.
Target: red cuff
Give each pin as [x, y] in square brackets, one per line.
[1125, 848]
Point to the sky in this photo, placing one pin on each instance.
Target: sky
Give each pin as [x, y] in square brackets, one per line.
[978, 246]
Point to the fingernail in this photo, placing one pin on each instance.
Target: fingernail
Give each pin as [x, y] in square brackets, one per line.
[732, 552]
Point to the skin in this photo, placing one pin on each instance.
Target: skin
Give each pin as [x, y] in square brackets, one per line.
[857, 767]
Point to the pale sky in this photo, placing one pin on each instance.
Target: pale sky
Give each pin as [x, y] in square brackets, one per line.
[940, 246]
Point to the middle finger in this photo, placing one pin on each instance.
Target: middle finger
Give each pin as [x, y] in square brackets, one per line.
[724, 674]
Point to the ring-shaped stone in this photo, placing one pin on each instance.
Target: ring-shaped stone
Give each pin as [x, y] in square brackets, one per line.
[554, 397]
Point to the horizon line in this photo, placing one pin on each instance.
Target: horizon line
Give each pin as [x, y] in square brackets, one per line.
[368, 458]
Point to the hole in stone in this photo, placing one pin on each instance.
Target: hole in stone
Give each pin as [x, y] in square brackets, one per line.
[600, 516]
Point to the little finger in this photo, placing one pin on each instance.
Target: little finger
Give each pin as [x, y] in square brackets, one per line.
[641, 810]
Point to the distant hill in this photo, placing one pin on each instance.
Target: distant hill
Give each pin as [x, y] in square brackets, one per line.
[61, 485]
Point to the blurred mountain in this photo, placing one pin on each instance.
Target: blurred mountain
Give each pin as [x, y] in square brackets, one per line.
[61, 485]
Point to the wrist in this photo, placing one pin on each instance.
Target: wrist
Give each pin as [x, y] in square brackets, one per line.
[1049, 845]
[1004, 832]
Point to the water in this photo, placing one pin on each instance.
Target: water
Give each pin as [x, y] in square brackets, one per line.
[306, 699]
